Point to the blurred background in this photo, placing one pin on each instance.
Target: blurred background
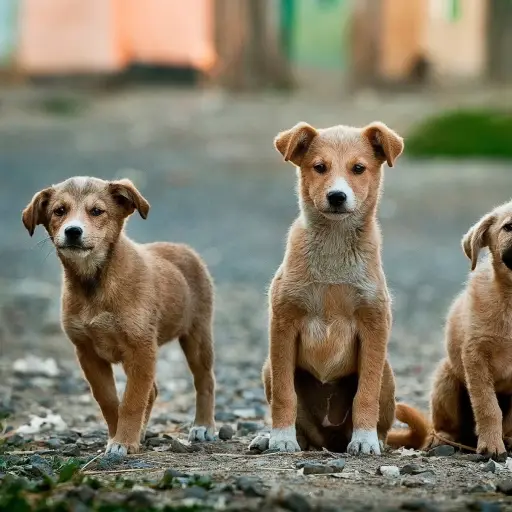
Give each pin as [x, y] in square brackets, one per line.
[185, 98]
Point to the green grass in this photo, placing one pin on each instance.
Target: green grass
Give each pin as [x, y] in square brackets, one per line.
[463, 134]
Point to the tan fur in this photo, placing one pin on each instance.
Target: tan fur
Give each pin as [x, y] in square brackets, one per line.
[122, 300]
[330, 314]
[471, 396]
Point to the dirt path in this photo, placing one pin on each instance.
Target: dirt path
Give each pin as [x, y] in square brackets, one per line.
[207, 166]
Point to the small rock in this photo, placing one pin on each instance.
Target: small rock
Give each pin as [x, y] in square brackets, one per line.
[69, 436]
[198, 493]
[50, 422]
[156, 441]
[474, 457]
[410, 469]
[250, 486]
[71, 450]
[226, 432]
[41, 465]
[82, 493]
[150, 434]
[248, 427]
[295, 502]
[15, 440]
[492, 467]
[505, 486]
[321, 468]
[421, 505]
[32, 365]
[482, 487]
[444, 450]
[54, 443]
[413, 481]
[225, 416]
[389, 471]
[139, 499]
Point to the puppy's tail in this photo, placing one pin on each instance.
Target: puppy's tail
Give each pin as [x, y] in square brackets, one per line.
[418, 433]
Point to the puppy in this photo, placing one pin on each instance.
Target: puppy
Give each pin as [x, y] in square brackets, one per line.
[122, 300]
[327, 378]
[472, 391]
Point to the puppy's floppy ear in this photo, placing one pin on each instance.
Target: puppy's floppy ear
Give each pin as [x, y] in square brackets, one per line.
[477, 238]
[294, 143]
[36, 211]
[386, 143]
[128, 197]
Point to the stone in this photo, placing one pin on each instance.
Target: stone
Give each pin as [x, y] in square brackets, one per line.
[198, 493]
[71, 450]
[54, 443]
[226, 432]
[389, 471]
[250, 486]
[492, 467]
[505, 486]
[295, 502]
[323, 468]
[156, 441]
[444, 450]
[482, 487]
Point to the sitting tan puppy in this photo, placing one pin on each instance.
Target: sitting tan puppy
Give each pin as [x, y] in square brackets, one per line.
[122, 300]
[327, 378]
[472, 391]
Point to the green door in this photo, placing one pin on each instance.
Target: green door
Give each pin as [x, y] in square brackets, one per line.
[315, 32]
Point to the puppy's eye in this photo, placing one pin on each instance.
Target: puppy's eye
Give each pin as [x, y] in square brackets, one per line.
[320, 168]
[508, 227]
[60, 211]
[96, 212]
[358, 169]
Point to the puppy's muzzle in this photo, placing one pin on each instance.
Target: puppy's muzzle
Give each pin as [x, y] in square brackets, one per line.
[73, 234]
[506, 257]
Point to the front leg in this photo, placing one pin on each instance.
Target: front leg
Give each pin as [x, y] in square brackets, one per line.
[283, 402]
[484, 402]
[100, 377]
[140, 367]
[373, 325]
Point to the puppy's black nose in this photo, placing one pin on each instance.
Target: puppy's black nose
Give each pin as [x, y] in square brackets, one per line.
[336, 198]
[73, 232]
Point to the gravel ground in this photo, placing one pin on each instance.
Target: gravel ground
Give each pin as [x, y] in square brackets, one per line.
[206, 164]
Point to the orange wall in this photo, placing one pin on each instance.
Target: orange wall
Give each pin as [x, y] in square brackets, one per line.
[71, 36]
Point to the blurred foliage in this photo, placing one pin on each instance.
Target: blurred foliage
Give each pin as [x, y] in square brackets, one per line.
[463, 134]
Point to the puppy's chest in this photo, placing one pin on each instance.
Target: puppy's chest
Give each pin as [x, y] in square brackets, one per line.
[328, 333]
[105, 331]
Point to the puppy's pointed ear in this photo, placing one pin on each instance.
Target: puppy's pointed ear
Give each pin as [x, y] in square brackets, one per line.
[294, 143]
[477, 238]
[36, 211]
[386, 143]
[128, 197]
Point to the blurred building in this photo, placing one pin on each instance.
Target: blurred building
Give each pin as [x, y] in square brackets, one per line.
[257, 43]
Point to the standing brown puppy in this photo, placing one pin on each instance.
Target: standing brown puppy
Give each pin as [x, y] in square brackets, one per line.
[122, 300]
[327, 378]
[472, 391]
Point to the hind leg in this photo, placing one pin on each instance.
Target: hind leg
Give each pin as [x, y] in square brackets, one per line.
[445, 405]
[147, 414]
[198, 349]
[386, 404]
[261, 441]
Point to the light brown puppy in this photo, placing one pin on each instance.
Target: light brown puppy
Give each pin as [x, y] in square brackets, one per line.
[327, 377]
[471, 395]
[122, 300]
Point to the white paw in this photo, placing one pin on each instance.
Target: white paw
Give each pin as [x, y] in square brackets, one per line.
[284, 440]
[200, 434]
[116, 449]
[260, 443]
[365, 442]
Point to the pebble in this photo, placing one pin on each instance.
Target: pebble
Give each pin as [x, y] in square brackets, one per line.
[71, 450]
[474, 457]
[250, 486]
[389, 471]
[54, 443]
[492, 467]
[505, 486]
[156, 441]
[226, 432]
[198, 493]
[445, 450]
[482, 487]
[420, 505]
[323, 468]
[295, 502]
